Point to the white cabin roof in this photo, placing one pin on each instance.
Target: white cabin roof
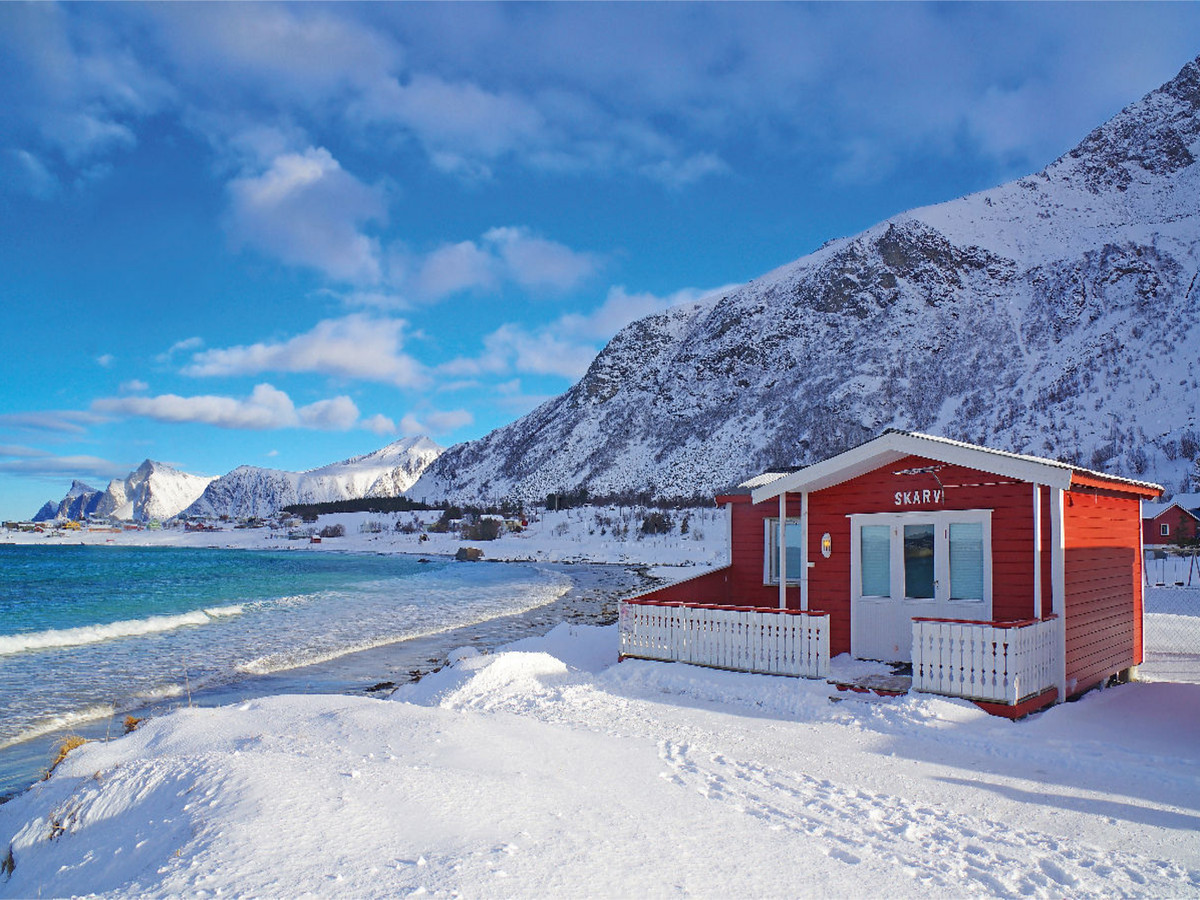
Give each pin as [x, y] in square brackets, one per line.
[894, 445]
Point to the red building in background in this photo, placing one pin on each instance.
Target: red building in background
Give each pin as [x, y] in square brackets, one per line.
[1170, 524]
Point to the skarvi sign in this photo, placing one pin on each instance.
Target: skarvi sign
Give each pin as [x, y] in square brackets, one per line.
[924, 495]
[921, 497]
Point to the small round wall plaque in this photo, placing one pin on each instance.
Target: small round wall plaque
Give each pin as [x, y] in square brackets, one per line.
[826, 545]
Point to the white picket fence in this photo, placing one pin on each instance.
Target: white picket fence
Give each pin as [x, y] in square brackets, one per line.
[744, 639]
[1002, 663]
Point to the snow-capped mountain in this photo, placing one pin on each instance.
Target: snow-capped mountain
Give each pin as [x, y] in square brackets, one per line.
[151, 491]
[1057, 315]
[254, 491]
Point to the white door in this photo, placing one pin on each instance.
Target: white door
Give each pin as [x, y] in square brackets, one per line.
[905, 565]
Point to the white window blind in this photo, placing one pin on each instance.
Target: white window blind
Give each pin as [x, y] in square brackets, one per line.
[875, 556]
[966, 561]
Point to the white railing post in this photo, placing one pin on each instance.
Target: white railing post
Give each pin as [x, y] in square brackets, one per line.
[983, 660]
[749, 640]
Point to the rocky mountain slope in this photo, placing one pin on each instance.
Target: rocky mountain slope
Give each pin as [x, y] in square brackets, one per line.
[253, 491]
[151, 491]
[81, 501]
[1056, 315]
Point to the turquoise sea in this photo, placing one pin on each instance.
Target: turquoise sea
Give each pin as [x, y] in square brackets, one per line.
[87, 633]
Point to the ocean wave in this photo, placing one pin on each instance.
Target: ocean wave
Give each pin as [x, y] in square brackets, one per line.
[282, 661]
[94, 634]
[62, 722]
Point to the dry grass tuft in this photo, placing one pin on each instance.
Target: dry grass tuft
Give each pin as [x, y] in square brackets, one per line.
[8, 865]
[131, 723]
[65, 746]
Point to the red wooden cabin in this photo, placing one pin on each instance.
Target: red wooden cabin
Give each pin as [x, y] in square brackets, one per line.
[909, 527]
[1173, 523]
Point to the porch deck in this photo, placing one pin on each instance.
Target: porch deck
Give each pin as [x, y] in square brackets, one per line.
[1007, 668]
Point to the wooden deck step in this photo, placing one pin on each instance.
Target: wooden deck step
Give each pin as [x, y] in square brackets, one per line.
[882, 685]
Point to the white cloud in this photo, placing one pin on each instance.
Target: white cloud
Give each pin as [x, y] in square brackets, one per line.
[265, 408]
[666, 92]
[82, 135]
[133, 386]
[287, 54]
[368, 299]
[457, 122]
[511, 254]
[620, 307]
[435, 422]
[566, 346]
[356, 346]
[192, 343]
[73, 84]
[535, 262]
[681, 173]
[456, 267]
[186, 345]
[379, 424]
[43, 464]
[23, 172]
[306, 210]
[68, 421]
[337, 414]
[105, 360]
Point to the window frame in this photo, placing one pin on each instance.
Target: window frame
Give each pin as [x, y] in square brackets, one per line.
[941, 520]
[1164, 529]
[771, 552]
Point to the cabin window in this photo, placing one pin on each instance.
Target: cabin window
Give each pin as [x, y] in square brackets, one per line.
[918, 561]
[875, 553]
[1165, 529]
[941, 556]
[966, 560]
[794, 551]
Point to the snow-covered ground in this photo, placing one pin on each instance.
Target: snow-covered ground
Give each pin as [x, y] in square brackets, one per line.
[549, 770]
[584, 534]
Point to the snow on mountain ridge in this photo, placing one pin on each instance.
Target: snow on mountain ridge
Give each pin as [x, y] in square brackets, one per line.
[1054, 315]
[255, 491]
[153, 490]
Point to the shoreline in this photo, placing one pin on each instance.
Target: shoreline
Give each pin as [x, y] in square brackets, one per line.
[372, 672]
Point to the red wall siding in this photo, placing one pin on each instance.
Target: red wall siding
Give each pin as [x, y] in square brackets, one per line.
[1103, 586]
[711, 587]
[746, 553]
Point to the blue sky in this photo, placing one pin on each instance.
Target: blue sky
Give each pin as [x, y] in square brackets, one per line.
[285, 235]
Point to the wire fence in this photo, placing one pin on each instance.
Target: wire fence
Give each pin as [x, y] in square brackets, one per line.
[1172, 618]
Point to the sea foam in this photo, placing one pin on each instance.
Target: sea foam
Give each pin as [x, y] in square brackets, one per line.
[94, 634]
[63, 722]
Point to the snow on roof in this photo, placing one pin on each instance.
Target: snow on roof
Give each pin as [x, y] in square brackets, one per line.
[760, 480]
[895, 444]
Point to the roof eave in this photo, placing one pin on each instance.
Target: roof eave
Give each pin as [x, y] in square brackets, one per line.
[894, 445]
